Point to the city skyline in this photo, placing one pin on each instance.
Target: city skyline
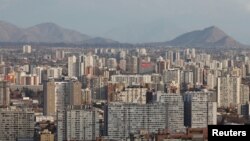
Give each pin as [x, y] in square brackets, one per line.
[124, 70]
[86, 93]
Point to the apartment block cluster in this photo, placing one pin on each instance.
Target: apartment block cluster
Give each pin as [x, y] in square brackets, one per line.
[119, 94]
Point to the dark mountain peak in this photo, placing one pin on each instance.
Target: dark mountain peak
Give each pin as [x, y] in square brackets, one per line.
[208, 37]
[212, 34]
[214, 30]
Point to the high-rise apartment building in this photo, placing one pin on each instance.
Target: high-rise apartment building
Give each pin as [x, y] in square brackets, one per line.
[228, 91]
[121, 119]
[244, 94]
[72, 66]
[54, 72]
[80, 65]
[86, 96]
[187, 77]
[111, 63]
[175, 111]
[132, 65]
[200, 109]
[4, 93]
[75, 90]
[211, 81]
[60, 54]
[82, 123]
[198, 75]
[26, 49]
[161, 66]
[89, 60]
[176, 56]
[16, 124]
[171, 75]
[193, 52]
[122, 64]
[39, 72]
[169, 55]
[58, 94]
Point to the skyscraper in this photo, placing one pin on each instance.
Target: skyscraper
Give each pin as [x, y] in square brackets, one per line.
[72, 66]
[200, 109]
[176, 56]
[80, 65]
[170, 56]
[50, 95]
[193, 52]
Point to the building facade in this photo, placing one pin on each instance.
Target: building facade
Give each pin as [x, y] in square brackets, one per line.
[4, 93]
[175, 111]
[16, 124]
[228, 91]
[121, 119]
[81, 123]
[200, 109]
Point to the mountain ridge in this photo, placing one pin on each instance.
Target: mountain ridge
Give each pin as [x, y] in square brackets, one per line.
[208, 37]
[46, 32]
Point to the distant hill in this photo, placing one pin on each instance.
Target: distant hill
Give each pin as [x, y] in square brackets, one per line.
[9, 32]
[46, 33]
[208, 37]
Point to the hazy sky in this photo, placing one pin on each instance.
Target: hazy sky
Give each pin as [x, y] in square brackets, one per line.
[116, 17]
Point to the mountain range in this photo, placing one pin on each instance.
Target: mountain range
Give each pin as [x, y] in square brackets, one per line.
[46, 33]
[52, 33]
